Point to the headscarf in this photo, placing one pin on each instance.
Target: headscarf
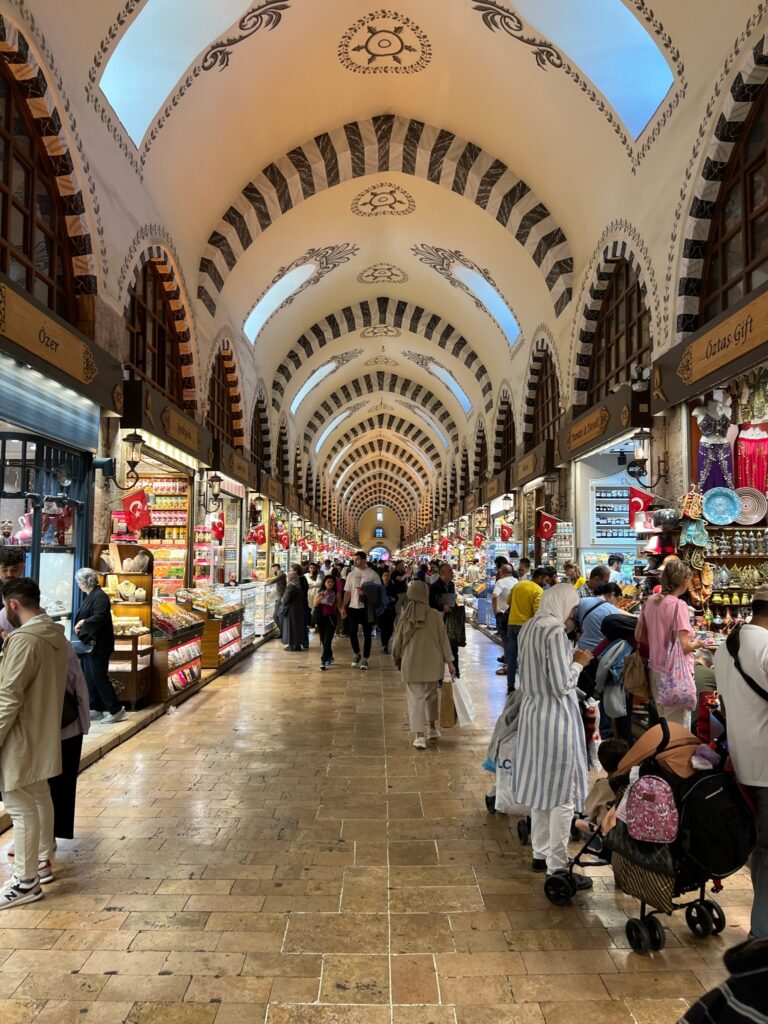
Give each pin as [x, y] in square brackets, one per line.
[414, 614]
[293, 578]
[557, 605]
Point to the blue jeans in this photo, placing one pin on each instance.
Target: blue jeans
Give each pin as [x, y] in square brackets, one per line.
[759, 867]
[510, 649]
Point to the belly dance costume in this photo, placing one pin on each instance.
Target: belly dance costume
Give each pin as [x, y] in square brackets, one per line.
[752, 451]
[715, 456]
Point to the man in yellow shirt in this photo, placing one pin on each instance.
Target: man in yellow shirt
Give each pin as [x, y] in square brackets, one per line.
[524, 601]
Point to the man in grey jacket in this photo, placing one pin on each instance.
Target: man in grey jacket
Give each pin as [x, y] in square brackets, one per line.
[33, 674]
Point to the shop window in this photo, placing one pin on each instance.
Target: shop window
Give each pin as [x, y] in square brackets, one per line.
[220, 418]
[736, 261]
[622, 338]
[153, 347]
[546, 409]
[34, 246]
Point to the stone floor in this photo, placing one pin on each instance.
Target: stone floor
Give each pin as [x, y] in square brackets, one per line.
[276, 849]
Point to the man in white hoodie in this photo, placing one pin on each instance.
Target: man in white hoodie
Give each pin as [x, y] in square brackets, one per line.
[33, 674]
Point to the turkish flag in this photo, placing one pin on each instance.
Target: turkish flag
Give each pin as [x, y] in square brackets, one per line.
[443, 543]
[285, 540]
[479, 540]
[638, 502]
[260, 534]
[137, 514]
[547, 526]
[506, 532]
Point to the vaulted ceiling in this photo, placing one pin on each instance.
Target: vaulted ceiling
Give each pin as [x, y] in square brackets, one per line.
[419, 195]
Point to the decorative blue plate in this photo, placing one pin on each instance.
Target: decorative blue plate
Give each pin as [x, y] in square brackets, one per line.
[721, 506]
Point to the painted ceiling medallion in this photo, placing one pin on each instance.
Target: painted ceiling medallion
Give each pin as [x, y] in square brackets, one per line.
[385, 43]
[383, 200]
[382, 273]
[381, 331]
[382, 361]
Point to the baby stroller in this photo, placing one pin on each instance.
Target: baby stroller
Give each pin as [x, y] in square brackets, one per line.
[679, 830]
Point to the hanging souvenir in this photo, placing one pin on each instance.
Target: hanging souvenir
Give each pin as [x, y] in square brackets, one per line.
[692, 506]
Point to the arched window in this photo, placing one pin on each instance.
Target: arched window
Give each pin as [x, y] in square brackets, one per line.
[34, 246]
[546, 409]
[220, 421]
[153, 347]
[508, 438]
[736, 259]
[622, 337]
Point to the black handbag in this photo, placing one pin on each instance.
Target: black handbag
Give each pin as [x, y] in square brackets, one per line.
[70, 710]
[81, 647]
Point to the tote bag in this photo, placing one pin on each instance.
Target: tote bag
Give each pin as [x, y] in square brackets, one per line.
[676, 686]
[465, 708]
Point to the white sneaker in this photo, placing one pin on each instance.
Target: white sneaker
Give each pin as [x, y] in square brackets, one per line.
[15, 892]
[45, 872]
[97, 716]
[433, 734]
[364, 664]
[420, 743]
[118, 716]
[356, 662]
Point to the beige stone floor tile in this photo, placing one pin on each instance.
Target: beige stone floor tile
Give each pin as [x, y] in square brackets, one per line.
[436, 899]
[59, 1011]
[207, 989]
[422, 933]
[20, 1011]
[233, 922]
[176, 940]
[528, 1013]
[240, 1013]
[475, 965]
[171, 1013]
[337, 933]
[657, 1011]
[412, 853]
[283, 965]
[663, 984]
[112, 962]
[27, 938]
[355, 979]
[294, 990]
[476, 991]
[413, 979]
[590, 961]
[54, 961]
[43, 985]
[94, 938]
[124, 988]
[65, 919]
[250, 942]
[423, 1015]
[600, 1012]
[535, 988]
[329, 1014]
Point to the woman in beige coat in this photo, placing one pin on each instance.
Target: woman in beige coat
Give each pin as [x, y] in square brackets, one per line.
[421, 650]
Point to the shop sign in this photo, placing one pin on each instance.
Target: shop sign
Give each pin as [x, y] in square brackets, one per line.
[470, 502]
[588, 428]
[272, 488]
[535, 463]
[147, 409]
[56, 347]
[230, 462]
[292, 499]
[254, 481]
[491, 489]
[457, 510]
[618, 413]
[732, 343]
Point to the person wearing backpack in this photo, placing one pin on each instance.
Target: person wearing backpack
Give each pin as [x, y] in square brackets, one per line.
[741, 671]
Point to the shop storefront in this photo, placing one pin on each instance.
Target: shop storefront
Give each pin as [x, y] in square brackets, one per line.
[600, 444]
[535, 479]
[719, 378]
[279, 524]
[54, 383]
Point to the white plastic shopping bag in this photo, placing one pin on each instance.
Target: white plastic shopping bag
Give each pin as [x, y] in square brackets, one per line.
[505, 798]
[465, 708]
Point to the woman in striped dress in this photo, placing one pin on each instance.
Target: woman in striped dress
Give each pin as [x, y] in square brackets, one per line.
[549, 771]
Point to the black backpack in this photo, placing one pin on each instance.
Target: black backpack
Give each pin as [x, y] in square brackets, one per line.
[717, 830]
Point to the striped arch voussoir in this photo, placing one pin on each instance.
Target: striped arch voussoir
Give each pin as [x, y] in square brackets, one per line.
[398, 425]
[408, 474]
[505, 399]
[379, 145]
[33, 83]
[612, 254]
[540, 348]
[234, 391]
[480, 440]
[370, 451]
[158, 256]
[744, 91]
[260, 421]
[381, 311]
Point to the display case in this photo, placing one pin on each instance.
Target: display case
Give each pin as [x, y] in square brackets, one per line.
[265, 602]
[177, 661]
[57, 570]
[130, 667]
[244, 594]
[222, 615]
[610, 515]
[125, 574]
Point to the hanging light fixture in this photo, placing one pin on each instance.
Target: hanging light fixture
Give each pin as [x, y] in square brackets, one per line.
[134, 444]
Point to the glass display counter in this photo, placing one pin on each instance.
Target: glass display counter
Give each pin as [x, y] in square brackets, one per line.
[243, 594]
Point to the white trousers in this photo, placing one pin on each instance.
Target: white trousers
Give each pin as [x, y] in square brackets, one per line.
[550, 832]
[31, 811]
[422, 704]
[678, 715]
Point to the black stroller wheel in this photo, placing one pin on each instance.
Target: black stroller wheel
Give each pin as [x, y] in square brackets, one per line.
[523, 831]
[718, 915]
[559, 888]
[638, 935]
[699, 919]
[657, 933]
[490, 803]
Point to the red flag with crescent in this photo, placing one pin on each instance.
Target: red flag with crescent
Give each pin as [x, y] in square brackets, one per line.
[479, 540]
[506, 532]
[285, 540]
[137, 514]
[547, 526]
[638, 502]
[443, 543]
[260, 534]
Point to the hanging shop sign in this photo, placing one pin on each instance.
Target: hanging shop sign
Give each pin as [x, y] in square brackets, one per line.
[619, 412]
[727, 346]
[254, 477]
[471, 500]
[492, 489]
[230, 462]
[146, 409]
[535, 463]
[306, 511]
[32, 334]
[457, 510]
[272, 488]
[292, 499]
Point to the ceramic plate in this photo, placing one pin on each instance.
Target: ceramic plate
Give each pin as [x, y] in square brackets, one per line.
[721, 506]
[753, 506]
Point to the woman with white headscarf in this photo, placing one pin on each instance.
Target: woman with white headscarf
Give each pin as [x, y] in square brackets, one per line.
[421, 650]
[549, 771]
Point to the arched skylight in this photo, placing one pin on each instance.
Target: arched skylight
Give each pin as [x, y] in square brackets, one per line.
[310, 383]
[154, 52]
[613, 49]
[330, 429]
[450, 381]
[340, 456]
[490, 298]
[274, 297]
[429, 422]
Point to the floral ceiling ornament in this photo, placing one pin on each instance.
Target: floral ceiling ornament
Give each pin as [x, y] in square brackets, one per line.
[383, 200]
[496, 17]
[265, 15]
[382, 273]
[347, 357]
[384, 43]
[382, 361]
[381, 331]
